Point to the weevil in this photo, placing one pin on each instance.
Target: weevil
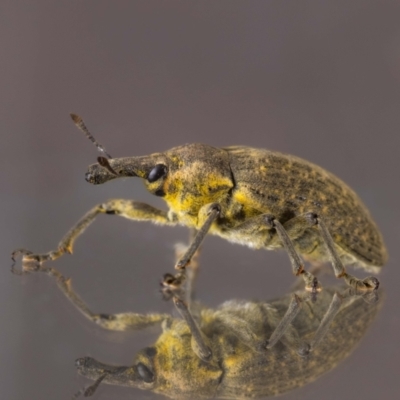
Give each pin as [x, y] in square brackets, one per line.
[259, 198]
[242, 349]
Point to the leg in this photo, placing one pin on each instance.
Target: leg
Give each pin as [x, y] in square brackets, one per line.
[297, 265]
[249, 327]
[294, 229]
[207, 215]
[340, 272]
[340, 301]
[172, 288]
[283, 238]
[290, 315]
[172, 285]
[116, 322]
[192, 270]
[329, 316]
[125, 208]
[311, 219]
[198, 340]
[286, 332]
[317, 269]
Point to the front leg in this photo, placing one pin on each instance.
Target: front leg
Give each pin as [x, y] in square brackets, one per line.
[115, 322]
[125, 208]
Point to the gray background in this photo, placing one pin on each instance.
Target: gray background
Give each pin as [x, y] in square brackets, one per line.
[319, 79]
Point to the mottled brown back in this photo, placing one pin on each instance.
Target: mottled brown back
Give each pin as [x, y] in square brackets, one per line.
[287, 186]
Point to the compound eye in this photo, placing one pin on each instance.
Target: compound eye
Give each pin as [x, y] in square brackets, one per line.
[145, 373]
[157, 172]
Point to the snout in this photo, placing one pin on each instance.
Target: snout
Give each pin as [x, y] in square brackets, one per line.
[96, 174]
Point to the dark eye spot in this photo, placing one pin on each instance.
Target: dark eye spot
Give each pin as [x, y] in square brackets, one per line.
[160, 193]
[145, 373]
[150, 351]
[157, 172]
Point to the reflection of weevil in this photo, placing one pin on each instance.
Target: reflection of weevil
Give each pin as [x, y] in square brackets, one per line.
[255, 197]
[239, 350]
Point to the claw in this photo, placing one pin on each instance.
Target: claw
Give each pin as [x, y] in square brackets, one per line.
[371, 297]
[171, 285]
[17, 252]
[30, 262]
[25, 254]
[371, 283]
[314, 287]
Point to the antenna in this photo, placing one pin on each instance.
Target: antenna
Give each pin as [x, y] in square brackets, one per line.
[103, 161]
[78, 121]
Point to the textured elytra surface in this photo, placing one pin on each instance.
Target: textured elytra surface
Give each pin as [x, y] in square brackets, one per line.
[287, 186]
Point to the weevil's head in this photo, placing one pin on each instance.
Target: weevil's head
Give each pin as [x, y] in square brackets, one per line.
[169, 367]
[187, 177]
[138, 375]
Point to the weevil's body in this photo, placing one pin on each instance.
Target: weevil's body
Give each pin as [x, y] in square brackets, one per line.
[247, 183]
[262, 199]
[237, 370]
